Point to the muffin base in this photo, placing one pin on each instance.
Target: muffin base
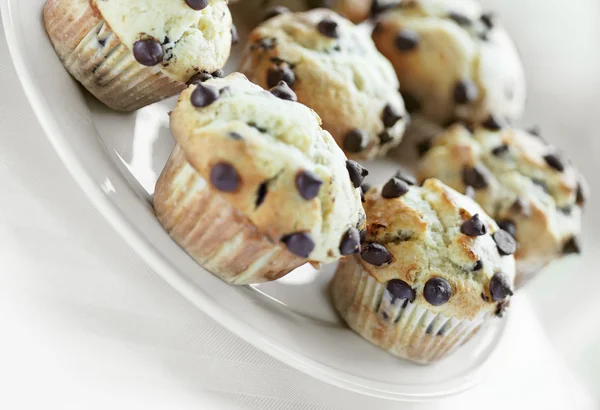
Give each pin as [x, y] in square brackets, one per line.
[212, 231]
[95, 56]
[407, 330]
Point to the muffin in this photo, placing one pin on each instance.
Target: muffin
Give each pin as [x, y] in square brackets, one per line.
[129, 54]
[433, 269]
[255, 187]
[524, 183]
[334, 68]
[454, 62]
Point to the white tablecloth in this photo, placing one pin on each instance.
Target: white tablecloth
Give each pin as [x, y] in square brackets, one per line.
[87, 325]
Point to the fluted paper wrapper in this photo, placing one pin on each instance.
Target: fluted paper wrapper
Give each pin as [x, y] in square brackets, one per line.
[407, 330]
[95, 56]
[212, 231]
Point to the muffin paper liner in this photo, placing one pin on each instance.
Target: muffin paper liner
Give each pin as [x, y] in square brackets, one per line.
[212, 231]
[407, 330]
[95, 56]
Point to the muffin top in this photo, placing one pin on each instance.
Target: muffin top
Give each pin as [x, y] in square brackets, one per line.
[436, 247]
[453, 61]
[269, 157]
[181, 37]
[526, 184]
[334, 68]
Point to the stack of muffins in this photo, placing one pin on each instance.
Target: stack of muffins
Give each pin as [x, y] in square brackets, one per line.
[264, 175]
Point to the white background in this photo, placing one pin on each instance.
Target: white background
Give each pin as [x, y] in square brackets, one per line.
[86, 325]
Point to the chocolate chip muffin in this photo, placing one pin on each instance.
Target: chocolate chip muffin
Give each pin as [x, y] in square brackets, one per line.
[434, 267]
[334, 68]
[254, 187]
[132, 53]
[526, 184]
[453, 60]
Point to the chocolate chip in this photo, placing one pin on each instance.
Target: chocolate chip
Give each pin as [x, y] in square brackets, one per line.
[484, 36]
[235, 36]
[390, 116]
[437, 291]
[581, 194]
[356, 140]
[493, 123]
[224, 90]
[565, 210]
[278, 73]
[501, 307]
[203, 96]
[375, 254]
[363, 235]
[473, 226]
[488, 19]
[394, 188]
[406, 40]
[478, 265]
[520, 206]
[406, 177]
[410, 102]
[500, 150]
[102, 42]
[224, 177]
[148, 52]
[470, 191]
[500, 286]
[573, 245]
[385, 137]
[275, 11]
[535, 131]
[400, 290]
[236, 136]
[505, 242]
[508, 226]
[540, 183]
[299, 243]
[378, 7]
[350, 243]
[265, 44]
[200, 77]
[423, 147]
[218, 73]
[255, 126]
[475, 177]
[261, 193]
[197, 4]
[328, 28]
[357, 172]
[459, 19]
[465, 91]
[283, 91]
[308, 184]
[554, 162]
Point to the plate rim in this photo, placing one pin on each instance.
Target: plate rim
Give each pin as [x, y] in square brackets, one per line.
[168, 272]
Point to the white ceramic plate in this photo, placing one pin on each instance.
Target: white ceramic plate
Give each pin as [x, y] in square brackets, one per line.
[116, 159]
